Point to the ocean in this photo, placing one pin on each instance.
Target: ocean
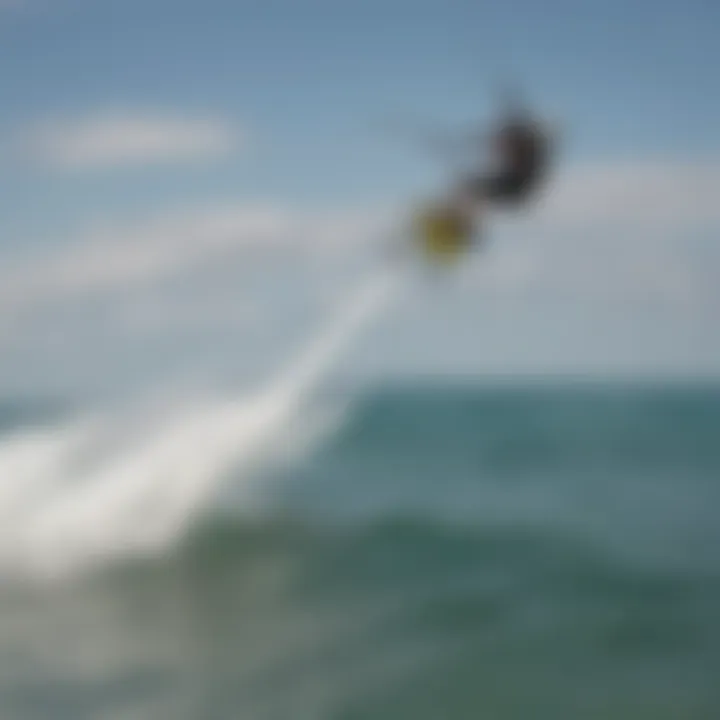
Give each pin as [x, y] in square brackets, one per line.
[427, 550]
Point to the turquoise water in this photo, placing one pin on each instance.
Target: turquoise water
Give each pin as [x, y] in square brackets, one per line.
[450, 552]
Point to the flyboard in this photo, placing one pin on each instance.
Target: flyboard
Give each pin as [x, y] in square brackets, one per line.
[436, 234]
[442, 234]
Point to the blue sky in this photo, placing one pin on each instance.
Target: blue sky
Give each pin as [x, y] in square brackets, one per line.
[147, 145]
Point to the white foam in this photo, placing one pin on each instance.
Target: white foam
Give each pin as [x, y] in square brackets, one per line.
[33, 464]
[83, 494]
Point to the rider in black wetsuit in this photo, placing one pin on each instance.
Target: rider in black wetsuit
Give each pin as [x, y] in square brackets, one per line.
[523, 151]
[522, 148]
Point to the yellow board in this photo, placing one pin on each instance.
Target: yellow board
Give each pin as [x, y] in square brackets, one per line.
[443, 234]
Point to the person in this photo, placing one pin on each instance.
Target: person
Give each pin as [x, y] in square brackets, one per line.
[522, 150]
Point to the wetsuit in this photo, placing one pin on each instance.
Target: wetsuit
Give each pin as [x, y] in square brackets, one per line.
[523, 151]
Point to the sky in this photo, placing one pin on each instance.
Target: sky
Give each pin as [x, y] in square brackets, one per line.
[186, 187]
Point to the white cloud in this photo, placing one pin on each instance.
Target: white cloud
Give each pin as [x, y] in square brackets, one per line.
[660, 196]
[150, 251]
[122, 139]
[107, 259]
[614, 229]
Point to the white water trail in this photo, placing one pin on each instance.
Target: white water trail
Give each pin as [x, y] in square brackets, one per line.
[140, 495]
[30, 463]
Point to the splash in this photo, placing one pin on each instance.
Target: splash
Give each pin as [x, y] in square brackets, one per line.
[99, 491]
